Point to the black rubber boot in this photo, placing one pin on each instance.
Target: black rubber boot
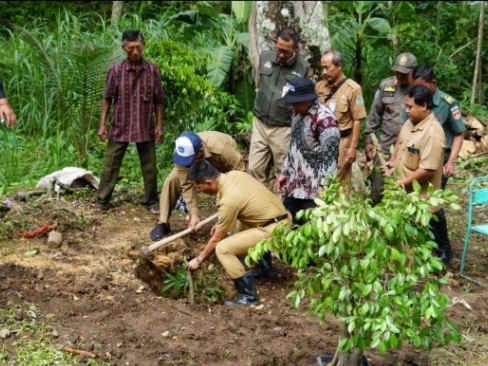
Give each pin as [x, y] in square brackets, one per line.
[439, 229]
[265, 268]
[246, 287]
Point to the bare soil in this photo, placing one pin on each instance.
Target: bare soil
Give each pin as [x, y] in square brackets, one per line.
[101, 295]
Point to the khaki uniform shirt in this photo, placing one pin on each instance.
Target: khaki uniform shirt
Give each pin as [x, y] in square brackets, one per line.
[387, 113]
[221, 151]
[241, 197]
[447, 112]
[347, 102]
[421, 146]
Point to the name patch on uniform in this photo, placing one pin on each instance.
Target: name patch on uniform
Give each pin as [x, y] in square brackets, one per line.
[389, 94]
[359, 100]
[456, 113]
[268, 65]
[448, 98]
[296, 73]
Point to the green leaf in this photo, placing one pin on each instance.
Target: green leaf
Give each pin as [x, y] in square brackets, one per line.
[362, 7]
[351, 326]
[379, 24]
[382, 348]
[394, 341]
[416, 186]
[242, 10]
[307, 230]
[322, 250]
[222, 59]
[367, 290]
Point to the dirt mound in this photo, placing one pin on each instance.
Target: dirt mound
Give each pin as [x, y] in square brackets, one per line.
[98, 292]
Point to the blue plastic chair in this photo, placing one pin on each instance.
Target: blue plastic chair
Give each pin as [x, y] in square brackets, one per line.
[478, 195]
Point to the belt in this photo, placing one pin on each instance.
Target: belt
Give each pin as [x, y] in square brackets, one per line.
[345, 133]
[275, 220]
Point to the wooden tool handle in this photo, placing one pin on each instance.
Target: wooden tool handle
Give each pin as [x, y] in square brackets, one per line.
[378, 151]
[180, 234]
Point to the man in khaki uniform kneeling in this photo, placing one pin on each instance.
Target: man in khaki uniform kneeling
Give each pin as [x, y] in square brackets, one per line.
[241, 198]
[218, 148]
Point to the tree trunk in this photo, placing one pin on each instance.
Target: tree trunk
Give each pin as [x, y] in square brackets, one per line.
[351, 358]
[306, 17]
[116, 12]
[478, 52]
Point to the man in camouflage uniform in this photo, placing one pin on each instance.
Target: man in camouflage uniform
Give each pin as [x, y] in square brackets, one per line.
[448, 114]
[386, 115]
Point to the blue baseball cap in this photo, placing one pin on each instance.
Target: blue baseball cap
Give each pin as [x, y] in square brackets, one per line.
[188, 144]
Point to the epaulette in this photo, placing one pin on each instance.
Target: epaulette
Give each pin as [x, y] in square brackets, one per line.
[448, 98]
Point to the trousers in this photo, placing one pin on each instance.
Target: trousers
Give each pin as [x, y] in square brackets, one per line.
[266, 142]
[111, 168]
[229, 249]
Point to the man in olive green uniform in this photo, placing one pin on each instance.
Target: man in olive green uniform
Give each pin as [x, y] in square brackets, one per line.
[218, 148]
[345, 98]
[418, 156]
[387, 114]
[272, 116]
[448, 114]
[241, 199]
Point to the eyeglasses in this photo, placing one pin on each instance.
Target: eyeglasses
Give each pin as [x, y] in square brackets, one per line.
[286, 53]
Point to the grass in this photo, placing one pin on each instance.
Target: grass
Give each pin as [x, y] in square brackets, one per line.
[32, 342]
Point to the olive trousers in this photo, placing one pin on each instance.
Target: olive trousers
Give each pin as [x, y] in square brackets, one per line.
[113, 161]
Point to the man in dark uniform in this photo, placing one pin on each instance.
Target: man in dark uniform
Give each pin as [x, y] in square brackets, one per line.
[387, 115]
[447, 112]
[272, 115]
[241, 199]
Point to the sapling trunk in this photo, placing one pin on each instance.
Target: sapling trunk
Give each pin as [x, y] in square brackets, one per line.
[350, 358]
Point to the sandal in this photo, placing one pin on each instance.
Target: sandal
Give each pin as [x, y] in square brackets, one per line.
[154, 211]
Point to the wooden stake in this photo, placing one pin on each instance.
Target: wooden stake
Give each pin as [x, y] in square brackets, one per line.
[192, 288]
[80, 352]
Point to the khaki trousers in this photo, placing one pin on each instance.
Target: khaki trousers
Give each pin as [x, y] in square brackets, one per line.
[169, 196]
[267, 141]
[344, 171]
[113, 161]
[229, 249]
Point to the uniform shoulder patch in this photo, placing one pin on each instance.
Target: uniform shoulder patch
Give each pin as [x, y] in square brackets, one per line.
[359, 100]
[456, 113]
[448, 98]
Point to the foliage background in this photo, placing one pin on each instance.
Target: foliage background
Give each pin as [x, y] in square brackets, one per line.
[54, 55]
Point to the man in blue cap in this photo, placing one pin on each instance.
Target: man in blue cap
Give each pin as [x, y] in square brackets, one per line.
[216, 147]
[314, 147]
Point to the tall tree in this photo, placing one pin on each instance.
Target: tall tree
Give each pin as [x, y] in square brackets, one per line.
[306, 17]
[116, 11]
[477, 67]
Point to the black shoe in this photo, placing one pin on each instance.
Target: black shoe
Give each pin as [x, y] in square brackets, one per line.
[159, 231]
[246, 287]
[265, 270]
[445, 255]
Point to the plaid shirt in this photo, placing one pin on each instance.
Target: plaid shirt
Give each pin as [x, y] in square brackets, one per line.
[134, 95]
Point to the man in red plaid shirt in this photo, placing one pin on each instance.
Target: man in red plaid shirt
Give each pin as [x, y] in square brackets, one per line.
[133, 87]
